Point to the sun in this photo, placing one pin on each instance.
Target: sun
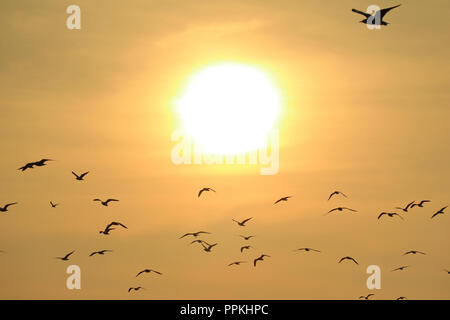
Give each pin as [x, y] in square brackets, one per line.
[229, 108]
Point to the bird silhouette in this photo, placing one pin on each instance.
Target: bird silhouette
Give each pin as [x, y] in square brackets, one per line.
[243, 222]
[237, 263]
[108, 227]
[260, 258]
[66, 257]
[203, 190]
[405, 209]
[30, 165]
[348, 258]
[81, 176]
[207, 247]
[420, 204]
[5, 207]
[53, 204]
[105, 203]
[441, 211]
[414, 252]
[336, 193]
[245, 247]
[101, 252]
[198, 241]
[135, 288]
[195, 234]
[306, 249]
[390, 214]
[282, 199]
[400, 268]
[401, 298]
[366, 297]
[149, 271]
[341, 209]
[380, 13]
[246, 238]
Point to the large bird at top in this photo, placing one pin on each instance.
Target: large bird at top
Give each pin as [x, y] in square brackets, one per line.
[377, 17]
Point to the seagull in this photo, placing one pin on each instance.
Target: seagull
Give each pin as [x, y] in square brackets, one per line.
[414, 252]
[102, 252]
[195, 234]
[135, 289]
[5, 207]
[246, 238]
[260, 258]
[242, 223]
[307, 249]
[390, 214]
[208, 246]
[341, 209]
[30, 165]
[405, 209]
[237, 263]
[380, 13]
[80, 177]
[400, 268]
[401, 298]
[348, 258]
[245, 247]
[53, 204]
[282, 199]
[205, 189]
[420, 204]
[108, 227]
[336, 193]
[441, 211]
[148, 271]
[66, 257]
[366, 297]
[105, 203]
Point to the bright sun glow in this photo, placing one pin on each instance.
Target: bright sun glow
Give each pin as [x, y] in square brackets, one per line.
[229, 108]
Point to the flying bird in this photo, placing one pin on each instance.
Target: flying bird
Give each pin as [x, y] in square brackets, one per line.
[405, 209]
[400, 268]
[53, 204]
[5, 207]
[135, 289]
[245, 247]
[306, 249]
[105, 203]
[195, 234]
[341, 209]
[380, 13]
[414, 252]
[31, 165]
[401, 298]
[237, 263]
[390, 214]
[148, 271]
[207, 247]
[282, 199]
[81, 176]
[203, 190]
[336, 193]
[366, 297]
[246, 238]
[348, 258]
[441, 211]
[243, 222]
[198, 241]
[260, 258]
[420, 204]
[66, 257]
[108, 227]
[101, 252]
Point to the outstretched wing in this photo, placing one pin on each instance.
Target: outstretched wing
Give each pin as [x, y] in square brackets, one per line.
[82, 176]
[244, 221]
[365, 14]
[386, 10]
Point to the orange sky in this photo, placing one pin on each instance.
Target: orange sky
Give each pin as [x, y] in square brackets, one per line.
[364, 112]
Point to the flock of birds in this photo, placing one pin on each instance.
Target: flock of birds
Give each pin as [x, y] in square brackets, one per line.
[207, 247]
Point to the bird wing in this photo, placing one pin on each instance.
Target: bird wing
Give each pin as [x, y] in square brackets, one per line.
[332, 194]
[157, 272]
[84, 174]
[9, 204]
[278, 201]
[363, 13]
[200, 192]
[244, 221]
[333, 210]
[68, 255]
[381, 214]
[386, 10]
[409, 204]
[75, 174]
[93, 253]
[109, 200]
[351, 209]
[354, 261]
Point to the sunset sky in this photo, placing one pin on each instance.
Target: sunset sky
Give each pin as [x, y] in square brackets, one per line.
[362, 111]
